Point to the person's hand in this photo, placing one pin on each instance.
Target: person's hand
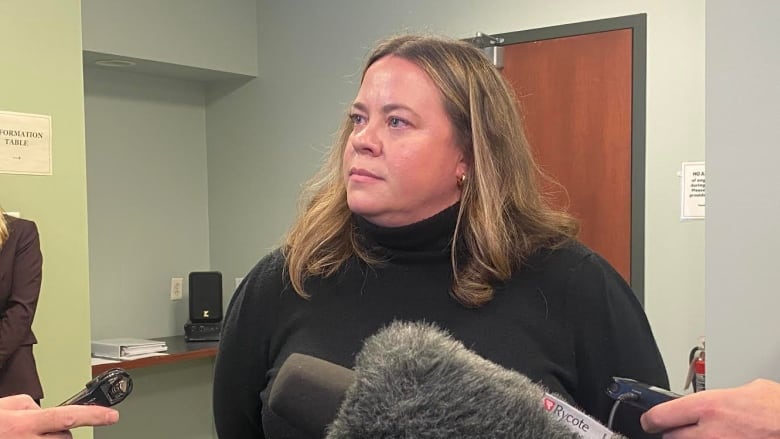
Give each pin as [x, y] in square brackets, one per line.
[21, 418]
[750, 411]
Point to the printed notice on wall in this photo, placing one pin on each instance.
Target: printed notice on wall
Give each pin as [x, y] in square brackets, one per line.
[694, 189]
[25, 143]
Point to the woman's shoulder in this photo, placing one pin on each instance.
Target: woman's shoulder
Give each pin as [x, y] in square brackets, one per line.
[20, 225]
[581, 271]
[564, 257]
[22, 233]
[262, 283]
[268, 268]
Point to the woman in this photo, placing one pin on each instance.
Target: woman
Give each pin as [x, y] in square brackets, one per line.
[428, 209]
[20, 284]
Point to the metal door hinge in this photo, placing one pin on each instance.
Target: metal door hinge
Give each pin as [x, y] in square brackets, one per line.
[491, 48]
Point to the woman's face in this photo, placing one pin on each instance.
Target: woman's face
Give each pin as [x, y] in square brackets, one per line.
[401, 162]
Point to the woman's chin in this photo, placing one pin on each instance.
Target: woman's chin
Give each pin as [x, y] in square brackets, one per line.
[364, 203]
[363, 209]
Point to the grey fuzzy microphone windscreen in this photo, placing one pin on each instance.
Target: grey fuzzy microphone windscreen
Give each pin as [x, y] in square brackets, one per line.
[413, 380]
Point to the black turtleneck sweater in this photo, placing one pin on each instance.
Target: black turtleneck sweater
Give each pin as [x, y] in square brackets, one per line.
[566, 320]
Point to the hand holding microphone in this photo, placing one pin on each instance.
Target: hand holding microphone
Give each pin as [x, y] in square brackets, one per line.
[749, 411]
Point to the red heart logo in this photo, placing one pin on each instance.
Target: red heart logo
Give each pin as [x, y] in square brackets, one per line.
[549, 404]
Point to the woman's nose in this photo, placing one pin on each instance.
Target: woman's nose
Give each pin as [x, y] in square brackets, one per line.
[366, 140]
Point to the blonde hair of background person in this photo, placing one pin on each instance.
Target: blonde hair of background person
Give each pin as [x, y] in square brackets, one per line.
[3, 228]
[505, 216]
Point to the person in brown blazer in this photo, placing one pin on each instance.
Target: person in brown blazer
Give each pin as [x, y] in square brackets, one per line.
[20, 284]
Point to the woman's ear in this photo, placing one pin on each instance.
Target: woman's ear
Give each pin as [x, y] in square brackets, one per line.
[462, 168]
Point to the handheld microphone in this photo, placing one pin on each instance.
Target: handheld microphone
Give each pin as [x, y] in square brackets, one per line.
[638, 394]
[308, 391]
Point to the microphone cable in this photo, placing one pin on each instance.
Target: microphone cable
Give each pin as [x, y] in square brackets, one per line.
[621, 398]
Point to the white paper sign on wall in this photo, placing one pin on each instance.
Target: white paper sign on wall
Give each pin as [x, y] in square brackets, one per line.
[694, 190]
[25, 143]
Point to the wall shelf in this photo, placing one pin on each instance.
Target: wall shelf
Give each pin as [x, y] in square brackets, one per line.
[178, 350]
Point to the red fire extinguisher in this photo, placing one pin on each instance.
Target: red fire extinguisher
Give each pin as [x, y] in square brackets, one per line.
[697, 370]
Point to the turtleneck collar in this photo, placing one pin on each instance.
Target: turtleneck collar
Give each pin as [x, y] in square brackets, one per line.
[429, 238]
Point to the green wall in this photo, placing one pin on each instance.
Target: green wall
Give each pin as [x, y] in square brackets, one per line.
[148, 222]
[742, 201]
[147, 193]
[42, 74]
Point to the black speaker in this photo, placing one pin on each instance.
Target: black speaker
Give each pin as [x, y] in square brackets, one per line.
[205, 296]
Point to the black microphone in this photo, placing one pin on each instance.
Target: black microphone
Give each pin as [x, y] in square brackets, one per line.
[308, 391]
[415, 380]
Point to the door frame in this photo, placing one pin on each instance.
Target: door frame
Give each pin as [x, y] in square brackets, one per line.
[638, 25]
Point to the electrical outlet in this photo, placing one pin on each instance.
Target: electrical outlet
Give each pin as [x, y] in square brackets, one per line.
[177, 288]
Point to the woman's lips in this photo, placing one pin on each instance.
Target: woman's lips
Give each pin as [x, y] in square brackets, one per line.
[357, 174]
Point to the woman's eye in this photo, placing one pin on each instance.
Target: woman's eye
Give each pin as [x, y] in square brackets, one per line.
[397, 122]
[357, 119]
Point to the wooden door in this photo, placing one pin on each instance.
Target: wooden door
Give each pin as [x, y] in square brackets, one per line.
[577, 93]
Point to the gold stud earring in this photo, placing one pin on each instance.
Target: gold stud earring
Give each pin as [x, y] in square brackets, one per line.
[461, 180]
